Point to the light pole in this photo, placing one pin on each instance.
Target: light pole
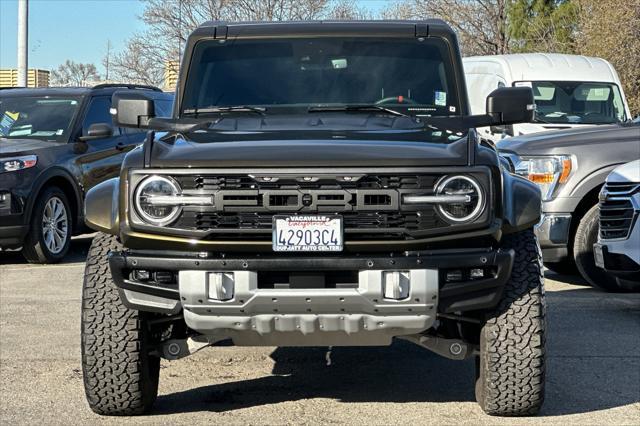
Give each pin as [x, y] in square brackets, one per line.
[23, 41]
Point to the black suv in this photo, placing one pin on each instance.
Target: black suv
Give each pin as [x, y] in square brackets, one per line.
[55, 144]
[319, 184]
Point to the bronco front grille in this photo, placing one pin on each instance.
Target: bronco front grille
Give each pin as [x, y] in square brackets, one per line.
[371, 205]
[243, 204]
[617, 213]
[361, 225]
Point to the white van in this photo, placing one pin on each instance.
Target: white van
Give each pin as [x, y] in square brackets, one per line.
[569, 90]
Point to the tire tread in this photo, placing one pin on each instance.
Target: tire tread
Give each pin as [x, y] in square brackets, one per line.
[120, 377]
[511, 376]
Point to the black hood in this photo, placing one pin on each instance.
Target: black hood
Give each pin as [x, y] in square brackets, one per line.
[11, 147]
[308, 148]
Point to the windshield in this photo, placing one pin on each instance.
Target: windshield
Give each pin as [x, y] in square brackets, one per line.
[413, 76]
[576, 102]
[47, 117]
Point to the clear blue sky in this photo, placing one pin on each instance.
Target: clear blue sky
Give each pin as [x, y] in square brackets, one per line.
[77, 29]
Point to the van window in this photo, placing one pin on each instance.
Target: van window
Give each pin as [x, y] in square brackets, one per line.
[479, 86]
[576, 102]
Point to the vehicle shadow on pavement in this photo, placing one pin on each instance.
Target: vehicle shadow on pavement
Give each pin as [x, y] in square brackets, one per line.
[77, 252]
[589, 368]
[402, 372]
[574, 279]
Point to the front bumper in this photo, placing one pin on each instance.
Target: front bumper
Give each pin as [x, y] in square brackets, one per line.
[12, 237]
[553, 234]
[357, 314]
[12, 220]
[620, 257]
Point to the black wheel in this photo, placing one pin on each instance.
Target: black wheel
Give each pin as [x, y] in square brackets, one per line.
[120, 374]
[586, 237]
[50, 228]
[510, 370]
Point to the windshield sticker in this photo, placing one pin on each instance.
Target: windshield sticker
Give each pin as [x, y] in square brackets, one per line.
[523, 84]
[8, 119]
[440, 98]
[452, 109]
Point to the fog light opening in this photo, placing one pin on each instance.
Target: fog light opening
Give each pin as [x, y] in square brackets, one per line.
[141, 275]
[453, 276]
[396, 284]
[476, 273]
[221, 285]
[163, 277]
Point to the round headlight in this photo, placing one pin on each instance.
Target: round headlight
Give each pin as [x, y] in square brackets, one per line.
[152, 211]
[472, 199]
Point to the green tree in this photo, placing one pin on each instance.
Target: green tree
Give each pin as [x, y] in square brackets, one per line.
[610, 29]
[543, 25]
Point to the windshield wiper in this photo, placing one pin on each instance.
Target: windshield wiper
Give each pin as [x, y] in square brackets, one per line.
[350, 108]
[223, 109]
[540, 120]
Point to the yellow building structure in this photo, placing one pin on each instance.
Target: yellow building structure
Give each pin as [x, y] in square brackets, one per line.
[35, 77]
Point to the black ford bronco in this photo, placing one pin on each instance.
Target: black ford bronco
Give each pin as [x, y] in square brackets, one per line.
[319, 184]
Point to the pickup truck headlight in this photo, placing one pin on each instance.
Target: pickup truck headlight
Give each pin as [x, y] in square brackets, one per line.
[13, 164]
[149, 200]
[549, 172]
[470, 195]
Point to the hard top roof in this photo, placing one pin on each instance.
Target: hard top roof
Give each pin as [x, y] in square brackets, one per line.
[73, 91]
[419, 28]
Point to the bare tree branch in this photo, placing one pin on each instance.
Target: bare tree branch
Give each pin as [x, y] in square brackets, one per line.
[74, 74]
[169, 23]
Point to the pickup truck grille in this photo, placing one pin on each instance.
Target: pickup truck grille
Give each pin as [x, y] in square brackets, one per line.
[616, 211]
[371, 205]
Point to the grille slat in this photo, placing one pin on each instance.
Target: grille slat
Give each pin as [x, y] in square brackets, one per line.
[616, 213]
[371, 205]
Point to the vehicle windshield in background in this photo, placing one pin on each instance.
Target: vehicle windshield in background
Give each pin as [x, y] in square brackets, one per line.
[576, 102]
[47, 118]
[413, 76]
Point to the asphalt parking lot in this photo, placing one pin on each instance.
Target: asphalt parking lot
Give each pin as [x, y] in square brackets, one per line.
[593, 376]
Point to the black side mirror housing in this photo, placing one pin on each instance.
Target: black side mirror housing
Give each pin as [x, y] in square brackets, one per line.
[511, 105]
[133, 110]
[97, 131]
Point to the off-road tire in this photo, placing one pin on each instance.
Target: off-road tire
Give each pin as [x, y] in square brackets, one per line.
[120, 375]
[586, 237]
[510, 370]
[34, 248]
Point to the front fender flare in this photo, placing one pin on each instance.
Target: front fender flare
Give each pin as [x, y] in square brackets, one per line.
[101, 207]
[522, 203]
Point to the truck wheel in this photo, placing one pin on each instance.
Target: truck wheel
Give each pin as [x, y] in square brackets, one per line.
[586, 237]
[120, 374]
[50, 228]
[510, 370]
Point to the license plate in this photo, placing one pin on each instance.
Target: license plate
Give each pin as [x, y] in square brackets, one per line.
[307, 233]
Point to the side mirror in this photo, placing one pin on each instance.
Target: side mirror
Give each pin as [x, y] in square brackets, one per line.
[511, 105]
[97, 131]
[507, 129]
[133, 110]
